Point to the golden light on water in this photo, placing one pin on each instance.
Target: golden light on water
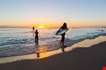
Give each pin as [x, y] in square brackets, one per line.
[42, 49]
[44, 53]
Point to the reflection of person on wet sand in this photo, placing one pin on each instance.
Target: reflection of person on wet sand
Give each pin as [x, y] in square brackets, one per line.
[63, 36]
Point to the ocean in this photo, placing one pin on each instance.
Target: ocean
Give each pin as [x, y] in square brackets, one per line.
[19, 41]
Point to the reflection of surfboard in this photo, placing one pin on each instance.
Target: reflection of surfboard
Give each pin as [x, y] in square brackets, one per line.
[61, 31]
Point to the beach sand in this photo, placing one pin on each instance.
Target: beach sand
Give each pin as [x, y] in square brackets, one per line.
[85, 55]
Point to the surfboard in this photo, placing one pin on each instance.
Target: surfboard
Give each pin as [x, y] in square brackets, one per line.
[61, 31]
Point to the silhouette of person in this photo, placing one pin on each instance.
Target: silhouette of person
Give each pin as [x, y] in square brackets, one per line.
[36, 37]
[36, 40]
[33, 28]
[63, 36]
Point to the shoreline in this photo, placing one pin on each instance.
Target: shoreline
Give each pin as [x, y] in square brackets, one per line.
[56, 46]
[81, 44]
[91, 58]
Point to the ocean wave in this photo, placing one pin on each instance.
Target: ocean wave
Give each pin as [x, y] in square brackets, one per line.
[24, 44]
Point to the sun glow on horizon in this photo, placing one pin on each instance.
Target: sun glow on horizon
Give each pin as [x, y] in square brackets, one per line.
[41, 26]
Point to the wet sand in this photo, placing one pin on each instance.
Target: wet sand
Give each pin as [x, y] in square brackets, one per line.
[83, 56]
[92, 58]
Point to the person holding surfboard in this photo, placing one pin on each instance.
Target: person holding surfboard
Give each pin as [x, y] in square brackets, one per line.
[62, 31]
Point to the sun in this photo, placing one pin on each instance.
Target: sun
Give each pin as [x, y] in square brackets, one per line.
[41, 26]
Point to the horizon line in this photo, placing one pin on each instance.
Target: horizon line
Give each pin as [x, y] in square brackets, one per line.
[4, 26]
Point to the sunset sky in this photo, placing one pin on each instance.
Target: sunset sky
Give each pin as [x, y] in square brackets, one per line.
[51, 13]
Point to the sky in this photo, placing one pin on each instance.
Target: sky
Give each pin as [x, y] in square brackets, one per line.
[77, 13]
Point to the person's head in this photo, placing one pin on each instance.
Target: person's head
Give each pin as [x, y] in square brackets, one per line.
[65, 24]
[33, 28]
[36, 30]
